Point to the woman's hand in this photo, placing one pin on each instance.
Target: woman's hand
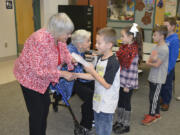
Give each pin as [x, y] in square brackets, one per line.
[126, 90]
[68, 75]
[75, 76]
[74, 61]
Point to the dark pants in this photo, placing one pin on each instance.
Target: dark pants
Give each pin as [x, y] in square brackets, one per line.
[154, 100]
[38, 107]
[85, 91]
[125, 99]
[166, 91]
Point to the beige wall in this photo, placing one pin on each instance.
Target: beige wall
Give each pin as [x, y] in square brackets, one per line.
[7, 31]
[48, 8]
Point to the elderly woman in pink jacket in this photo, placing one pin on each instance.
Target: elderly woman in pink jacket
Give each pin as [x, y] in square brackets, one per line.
[39, 64]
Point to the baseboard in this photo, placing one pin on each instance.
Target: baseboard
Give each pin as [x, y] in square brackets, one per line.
[8, 58]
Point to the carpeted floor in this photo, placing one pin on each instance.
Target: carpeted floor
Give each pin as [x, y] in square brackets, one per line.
[14, 116]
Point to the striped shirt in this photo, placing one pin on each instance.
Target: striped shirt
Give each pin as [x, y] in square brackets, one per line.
[129, 77]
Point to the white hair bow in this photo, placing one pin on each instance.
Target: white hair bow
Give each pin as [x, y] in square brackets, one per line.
[134, 29]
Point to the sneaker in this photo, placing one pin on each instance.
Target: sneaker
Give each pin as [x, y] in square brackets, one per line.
[92, 131]
[148, 120]
[123, 129]
[158, 116]
[117, 125]
[161, 101]
[164, 107]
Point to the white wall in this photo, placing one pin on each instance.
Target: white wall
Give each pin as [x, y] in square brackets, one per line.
[7, 24]
[48, 8]
[7, 31]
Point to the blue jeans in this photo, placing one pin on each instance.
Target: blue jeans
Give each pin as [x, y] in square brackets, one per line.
[166, 90]
[103, 123]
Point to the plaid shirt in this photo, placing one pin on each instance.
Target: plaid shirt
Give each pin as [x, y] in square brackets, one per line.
[129, 77]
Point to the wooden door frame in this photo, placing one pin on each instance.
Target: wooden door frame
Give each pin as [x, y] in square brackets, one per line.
[36, 18]
[36, 14]
[98, 21]
[17, 47]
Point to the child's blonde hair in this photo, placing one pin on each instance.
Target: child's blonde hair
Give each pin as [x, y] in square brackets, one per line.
[109, 35]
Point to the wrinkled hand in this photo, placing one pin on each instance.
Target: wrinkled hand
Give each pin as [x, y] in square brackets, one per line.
[126, 90]
[74, 61]
[74, 76]
[69, 76]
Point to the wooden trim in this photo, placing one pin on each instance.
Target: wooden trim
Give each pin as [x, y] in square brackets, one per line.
[159, 15]
[99, 16]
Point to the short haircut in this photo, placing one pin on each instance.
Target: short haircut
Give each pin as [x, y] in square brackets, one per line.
[59, 24]
[80, 36]
[161, 29]
[109, 35]
[171, 20]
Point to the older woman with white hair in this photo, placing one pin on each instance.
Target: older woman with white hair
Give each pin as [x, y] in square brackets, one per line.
[80, 43]
[38, 65]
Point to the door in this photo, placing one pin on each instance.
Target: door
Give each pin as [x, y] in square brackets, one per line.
[99, 16]
[25, 22]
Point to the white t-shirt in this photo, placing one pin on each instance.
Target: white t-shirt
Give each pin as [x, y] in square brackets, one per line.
[105, 100]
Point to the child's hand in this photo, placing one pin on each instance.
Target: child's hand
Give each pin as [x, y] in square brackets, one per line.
[126, 90]
[147, 62]
[154, 56]
[89, 68]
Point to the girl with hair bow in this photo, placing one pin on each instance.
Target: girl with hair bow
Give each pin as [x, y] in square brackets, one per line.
[129, 55]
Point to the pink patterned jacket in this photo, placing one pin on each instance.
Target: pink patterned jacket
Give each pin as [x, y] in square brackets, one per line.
[37, 65]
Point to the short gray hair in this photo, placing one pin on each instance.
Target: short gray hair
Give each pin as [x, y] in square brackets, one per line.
[59, 24]
[80, 36]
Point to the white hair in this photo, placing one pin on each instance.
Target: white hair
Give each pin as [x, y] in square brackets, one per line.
[59, 24]
[80, 36]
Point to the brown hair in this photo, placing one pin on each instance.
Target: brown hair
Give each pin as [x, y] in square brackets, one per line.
[109, 35]
[138, 39]
[161, 29]
[171, 20]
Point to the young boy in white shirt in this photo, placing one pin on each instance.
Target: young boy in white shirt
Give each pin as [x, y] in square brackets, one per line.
[107, 81]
